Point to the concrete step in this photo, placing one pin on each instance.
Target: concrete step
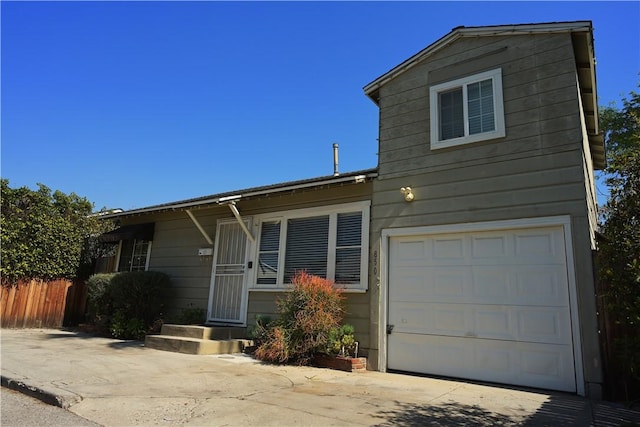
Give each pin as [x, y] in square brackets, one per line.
[204, 332]
[189, 345]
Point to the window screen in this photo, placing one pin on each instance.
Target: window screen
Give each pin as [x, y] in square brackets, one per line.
[480, 105]
[451, 114]
[268, 253]
[307, 246]
[348, 248]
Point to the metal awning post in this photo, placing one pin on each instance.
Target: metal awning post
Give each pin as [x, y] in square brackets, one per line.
[200, 228]
[236, 213]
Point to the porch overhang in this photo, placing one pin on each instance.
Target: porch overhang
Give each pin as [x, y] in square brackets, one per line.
[129, 232]
[357, 177]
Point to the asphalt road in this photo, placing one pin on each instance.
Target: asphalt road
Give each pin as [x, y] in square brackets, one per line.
[19, 410]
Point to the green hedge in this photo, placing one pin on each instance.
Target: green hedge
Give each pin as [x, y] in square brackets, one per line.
[43, 233]
[129, 304]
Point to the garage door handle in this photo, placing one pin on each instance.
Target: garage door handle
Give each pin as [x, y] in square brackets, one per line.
[389, 329]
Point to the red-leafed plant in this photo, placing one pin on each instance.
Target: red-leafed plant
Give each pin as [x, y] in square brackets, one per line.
[307, 315]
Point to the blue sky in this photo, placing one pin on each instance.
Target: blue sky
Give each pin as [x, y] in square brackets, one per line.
[132, 104]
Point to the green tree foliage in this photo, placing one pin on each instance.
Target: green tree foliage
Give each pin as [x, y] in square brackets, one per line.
[43, 233]
[619, 248]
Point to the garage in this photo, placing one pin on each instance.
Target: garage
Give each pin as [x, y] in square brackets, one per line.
[487, 305]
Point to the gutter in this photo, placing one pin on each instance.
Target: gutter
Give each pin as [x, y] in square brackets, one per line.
[225, 198]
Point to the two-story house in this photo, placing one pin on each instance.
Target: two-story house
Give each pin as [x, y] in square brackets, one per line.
[466, 252]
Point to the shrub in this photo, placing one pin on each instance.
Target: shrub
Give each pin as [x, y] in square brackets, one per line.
[123, 327]
[98, 297]
[140, 294]
[275, 347]
[342, 341]
[191, 316]
[260, 331]
[128, 304]
[307, 315]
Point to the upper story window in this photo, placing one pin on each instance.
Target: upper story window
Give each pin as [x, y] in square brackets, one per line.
[134, 255]
[467, 110]
[329, 242]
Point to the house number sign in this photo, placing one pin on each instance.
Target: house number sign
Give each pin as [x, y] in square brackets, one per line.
[375, 262]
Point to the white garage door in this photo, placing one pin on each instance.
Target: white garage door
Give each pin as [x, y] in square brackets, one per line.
[490, 306]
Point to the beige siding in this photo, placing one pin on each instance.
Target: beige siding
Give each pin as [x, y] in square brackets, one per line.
[262, 304]
[177, 240]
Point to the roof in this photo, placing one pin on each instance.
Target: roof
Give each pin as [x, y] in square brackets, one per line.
[215, 199]
[582, 36]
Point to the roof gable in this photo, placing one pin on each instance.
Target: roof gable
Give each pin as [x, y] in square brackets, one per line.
[584, 56]
[371, 90]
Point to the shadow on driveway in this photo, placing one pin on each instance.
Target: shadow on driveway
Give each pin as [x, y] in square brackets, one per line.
[113, 343]
[563, 411]
[449, 414]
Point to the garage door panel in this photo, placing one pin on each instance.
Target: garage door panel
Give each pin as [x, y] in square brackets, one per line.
[431, 284]
[546, 244]
[489, 246]
[491, 285]
[489, 305]
[527, 286]
[411, 317]
[436, 356]
[525, 364]
[544, 325]
[449, 248]
[499, 322]
[411, 286]
[542, 285]
[410, 251]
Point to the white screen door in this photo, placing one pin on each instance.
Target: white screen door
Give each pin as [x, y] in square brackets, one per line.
[227, 298]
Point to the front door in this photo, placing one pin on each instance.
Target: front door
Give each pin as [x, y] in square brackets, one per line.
[228, 296]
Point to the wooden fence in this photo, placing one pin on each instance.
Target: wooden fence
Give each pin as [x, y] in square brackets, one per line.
[33, 304]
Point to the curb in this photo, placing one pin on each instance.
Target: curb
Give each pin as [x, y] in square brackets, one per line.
[49, 397]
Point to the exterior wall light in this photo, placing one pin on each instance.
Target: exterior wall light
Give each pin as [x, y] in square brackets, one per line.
[408, 194]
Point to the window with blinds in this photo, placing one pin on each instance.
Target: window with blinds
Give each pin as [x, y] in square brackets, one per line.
[348, 248]
[467, 110]
[268, 253]
[328, 244]
[307, 246]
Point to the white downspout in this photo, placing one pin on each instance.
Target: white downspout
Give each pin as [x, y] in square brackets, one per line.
[236, 213]
[202, 230]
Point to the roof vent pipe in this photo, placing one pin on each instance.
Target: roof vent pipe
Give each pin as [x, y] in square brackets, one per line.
[335, 160]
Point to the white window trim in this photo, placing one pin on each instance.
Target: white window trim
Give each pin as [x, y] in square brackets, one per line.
[498, 104]
[334, 210]
[146, 263]
[119, 253]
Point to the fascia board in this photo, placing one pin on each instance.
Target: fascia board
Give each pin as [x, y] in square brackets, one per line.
[222, 199]
[459, 32]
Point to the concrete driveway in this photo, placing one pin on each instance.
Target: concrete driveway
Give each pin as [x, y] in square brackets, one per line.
[122, 383]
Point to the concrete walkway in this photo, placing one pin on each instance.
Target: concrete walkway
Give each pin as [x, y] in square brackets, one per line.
[122, 383]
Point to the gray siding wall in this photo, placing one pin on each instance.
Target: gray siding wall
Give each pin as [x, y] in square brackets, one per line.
[537, 170]
[177, 240]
